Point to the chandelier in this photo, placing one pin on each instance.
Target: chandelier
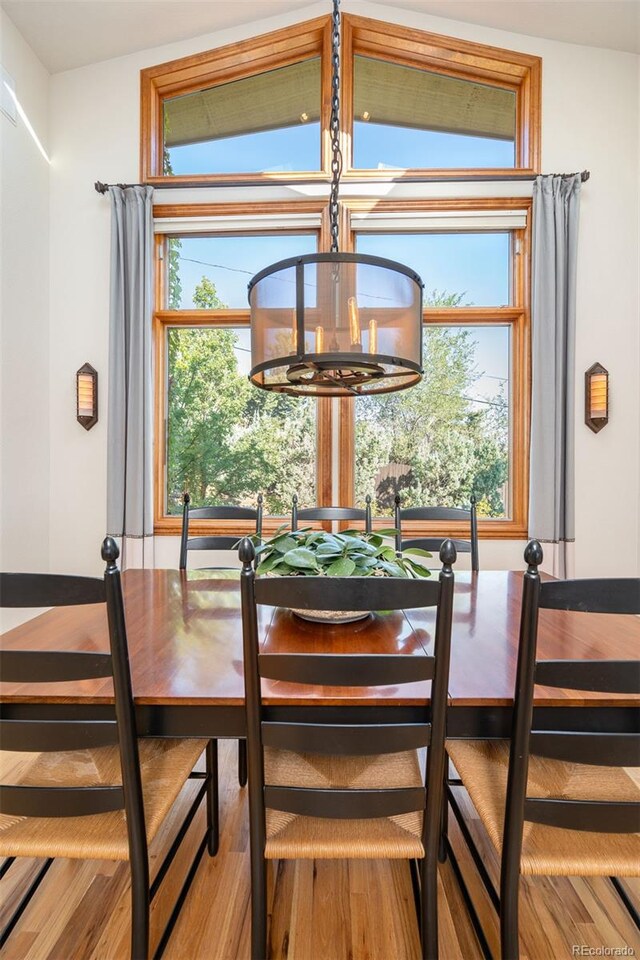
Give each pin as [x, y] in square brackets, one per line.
[336, 324]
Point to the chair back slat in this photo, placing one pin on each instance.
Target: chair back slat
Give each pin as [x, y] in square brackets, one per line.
[20, 801]
[216, 542]
[439, 515]
[347, 593]
[53, 666]
[43, 736]
[343, 740]
[48, 590]
[345, 804]
[605, 676]
[435, 513]
[223, 513]
[331, 514]
[620, 596]
[601, 816]
[434, 543]
[598, 749]
[345, 669]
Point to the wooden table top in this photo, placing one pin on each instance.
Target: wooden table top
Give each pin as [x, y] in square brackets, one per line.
[185, 643]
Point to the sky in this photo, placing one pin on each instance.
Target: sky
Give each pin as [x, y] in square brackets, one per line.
[474, 264]
[375, 146]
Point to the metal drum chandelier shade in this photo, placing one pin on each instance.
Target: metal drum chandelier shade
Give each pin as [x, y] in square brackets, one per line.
[336, 324]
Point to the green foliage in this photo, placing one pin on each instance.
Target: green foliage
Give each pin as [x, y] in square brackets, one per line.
[351, 553]
[226, 440]
[174, 246]
[430, 444]
[205, 296]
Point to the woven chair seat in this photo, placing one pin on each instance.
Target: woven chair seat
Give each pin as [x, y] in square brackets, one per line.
[290, 836]
[551, 851]
[165, 766]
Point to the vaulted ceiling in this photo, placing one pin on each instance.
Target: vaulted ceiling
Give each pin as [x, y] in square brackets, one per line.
[71, 33]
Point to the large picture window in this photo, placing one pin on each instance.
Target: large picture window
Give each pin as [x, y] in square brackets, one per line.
[219, 438]
[253, 118]
[462, 431]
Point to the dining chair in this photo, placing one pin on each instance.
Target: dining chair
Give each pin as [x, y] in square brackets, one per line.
[92, 790]
[442, 515]
[346, 789]
[560, 801]
[218, 542]
[331, 514]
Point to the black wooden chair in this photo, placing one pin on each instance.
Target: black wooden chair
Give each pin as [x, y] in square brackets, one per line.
[340, 788]
[218, 542]
[92, 790]
[440, 514]
[331, 514]
[558, 802]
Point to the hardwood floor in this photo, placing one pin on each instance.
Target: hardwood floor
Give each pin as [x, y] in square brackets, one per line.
[320, 910]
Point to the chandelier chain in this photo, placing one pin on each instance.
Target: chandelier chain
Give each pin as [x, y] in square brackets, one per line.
[336, 160]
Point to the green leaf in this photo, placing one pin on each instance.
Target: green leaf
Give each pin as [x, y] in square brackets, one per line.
[387, 532]
[418, 550]
[301, 558]
[420, 570]
[328, 550]
[283, 544]
[356, 544]
[393, 569]
[343, 567]
[268, 564]
[386, 553]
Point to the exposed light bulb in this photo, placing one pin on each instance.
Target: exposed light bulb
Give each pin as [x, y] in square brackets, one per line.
[366, 115]
[304, 117]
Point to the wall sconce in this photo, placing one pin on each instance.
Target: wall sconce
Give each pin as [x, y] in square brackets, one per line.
[596, 397]
[87, 396]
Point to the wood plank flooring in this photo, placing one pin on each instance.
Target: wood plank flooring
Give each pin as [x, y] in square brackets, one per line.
[319, 910]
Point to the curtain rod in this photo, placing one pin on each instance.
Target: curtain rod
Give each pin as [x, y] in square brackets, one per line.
[476, 178]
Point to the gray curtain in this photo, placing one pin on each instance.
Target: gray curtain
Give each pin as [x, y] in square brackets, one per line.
[130, 429]
[556, 202]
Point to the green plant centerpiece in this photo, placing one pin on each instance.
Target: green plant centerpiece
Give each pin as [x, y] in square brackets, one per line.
[350, 553]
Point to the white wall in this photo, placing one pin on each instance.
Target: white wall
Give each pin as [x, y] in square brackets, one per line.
[590, 116]
[24, 318]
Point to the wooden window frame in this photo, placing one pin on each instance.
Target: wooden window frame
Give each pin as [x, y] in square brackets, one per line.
[164, 524]
[462, 59]
[450, 56]
[236, 61]
[518, 317]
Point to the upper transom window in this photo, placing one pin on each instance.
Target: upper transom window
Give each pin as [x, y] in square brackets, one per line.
[413, 103]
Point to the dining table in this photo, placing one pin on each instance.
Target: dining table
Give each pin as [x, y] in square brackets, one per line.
[184, 634]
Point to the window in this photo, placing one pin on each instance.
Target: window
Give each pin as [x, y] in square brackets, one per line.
[251, 111]
[223, 440]
[419, 103]
[253, 119]
[409, 118]
[462, 431]
[412, 103]
[261, 124]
